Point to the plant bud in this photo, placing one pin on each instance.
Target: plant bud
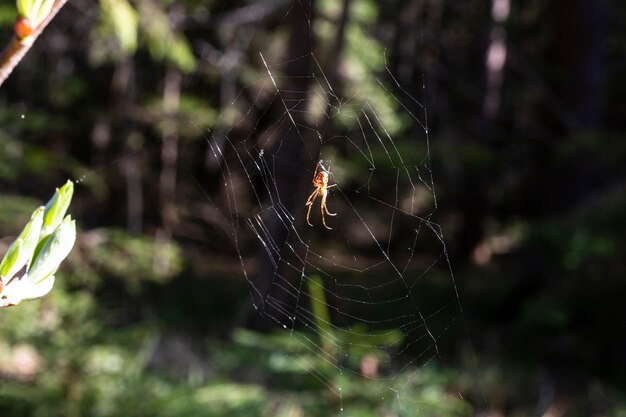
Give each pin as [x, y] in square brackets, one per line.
[23, 27]
[55, 249]
[21, 251]
[56, 208]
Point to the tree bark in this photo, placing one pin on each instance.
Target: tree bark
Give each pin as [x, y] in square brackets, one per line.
[295, 149]
[169, 161]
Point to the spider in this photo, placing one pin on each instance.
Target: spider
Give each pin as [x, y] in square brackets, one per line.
[320, 181]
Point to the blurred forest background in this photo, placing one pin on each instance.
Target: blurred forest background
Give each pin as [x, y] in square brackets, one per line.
[151, 315]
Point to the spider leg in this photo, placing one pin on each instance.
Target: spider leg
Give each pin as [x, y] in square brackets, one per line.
[309, 203]
[325, 207]
[311, 198]
[322, 208]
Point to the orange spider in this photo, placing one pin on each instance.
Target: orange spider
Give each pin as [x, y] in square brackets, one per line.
[320, 181]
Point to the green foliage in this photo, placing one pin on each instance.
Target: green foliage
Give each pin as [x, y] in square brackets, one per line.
[7, 14]
[34, 10]
[162, 41]
[303, 380]
[320, 312]
[136, 258]
[15, 211]
[75, 362]
[22, 250]
[145, 24]
[195, 116]
[362, 64]
[20, 159]
[121, 17]
[78, 366]
[28, 267]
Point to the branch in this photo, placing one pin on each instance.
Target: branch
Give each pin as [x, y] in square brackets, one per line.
[16, 49]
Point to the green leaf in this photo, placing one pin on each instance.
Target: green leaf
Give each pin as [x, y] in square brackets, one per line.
[56, 208]
[180, 54]
[24, 7]
[7, 269]
[162, 41]
[53, 252]
[25, 289]
[32, 233]
[123, 19]
[41, 10]
[35, 10]
[21, 251]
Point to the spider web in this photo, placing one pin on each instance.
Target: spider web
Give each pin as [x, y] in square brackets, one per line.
[377, 288]
[373, 297]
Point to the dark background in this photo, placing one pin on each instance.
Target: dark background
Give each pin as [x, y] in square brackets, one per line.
[160, 110]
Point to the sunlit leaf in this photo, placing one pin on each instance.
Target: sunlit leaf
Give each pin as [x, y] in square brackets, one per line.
[21, 251]
[162, 41]
[54, 251]
[122, 17]
[56, 208]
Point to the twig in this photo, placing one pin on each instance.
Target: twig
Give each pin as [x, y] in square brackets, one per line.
[16, 49]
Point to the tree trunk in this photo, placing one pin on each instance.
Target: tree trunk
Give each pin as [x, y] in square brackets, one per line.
[294, 151]
[169, 158]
